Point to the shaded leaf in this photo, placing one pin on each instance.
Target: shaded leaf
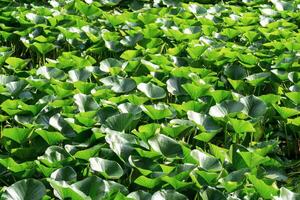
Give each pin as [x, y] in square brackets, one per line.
[108, 168]
[27, 189]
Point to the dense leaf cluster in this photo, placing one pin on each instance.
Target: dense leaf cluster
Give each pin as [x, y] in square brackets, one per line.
[140, 99]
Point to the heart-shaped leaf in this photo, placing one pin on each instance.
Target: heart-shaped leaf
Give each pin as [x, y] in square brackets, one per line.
[241, 126]
[166, 146]
[64, 174]
[118, 84]
[266, 191]
[225, 108]
[110, 65]
[168, 195]
[205, 122]
[19, 135]
[97, 188]
[85, 103]
[152, 91]
[27, 189]
[253, 106]
[120, 122]
[157, 111]
[17, 63]
[108, 168]
[205, 161]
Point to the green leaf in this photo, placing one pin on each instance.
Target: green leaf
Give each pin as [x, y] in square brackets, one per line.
[34, 18]
[265, 147]
[140, 195]
[63, 190]
[174, 130]
[141, 85]
[43, 48]
[192, 105]
[17, 63]
[130, 66]
[151, 66]
[166, 146]
[152, 91]
[230, 32]
[270, 99]
[130, 108]
[258, 78]
[110, 65]
[252, 159]
[266, 191]
[86, 154]
[5, 52]
[108, 168]
[129, 54]
[20, 135]
[225, 108]
[174, 86]
[168, 195]
[219, 152]
[6, 79]
[145, 165]
[85, 103]
[221, 95]
[121, 143]
[97, 188]
[137, 100]
[86, 9]
[282, 5]
[64, 174]
[205, 137]
[88, 119]
[294, 96]
[196, 51]
[286, 194]
[251, 35]
[157, 111]
[119, 84]
[131, 40]
[206, 161]
[51, 72]
[51, 137]
[286, 112]
[147, 131]
[253, 106]
[16, 87]
[212, 193]
[176, 184]
[79, 75]
[60, 124]
[27, 189]
[241, 126]
[84, 87]
[15, 167]
[61, 92]
[120, 122]
[147, 182]
[3, 118]
[196, 91]
[248, 59]
[110, 2]
[295, 121]
[205, 122]
[234, 180]
[55, 156]
[201, 177]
